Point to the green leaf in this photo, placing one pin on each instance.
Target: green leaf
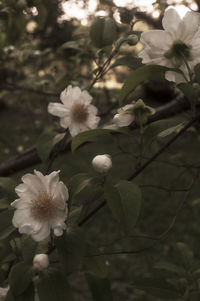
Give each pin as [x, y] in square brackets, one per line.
[53, 286]
[95, 265]
[46, 141]
[27, 295]
[157, 288]
[8, 185]
[168, 266]
[197, 72]
[71, 249]
[140, 75]
[172, 130]
[6, 227]
[184, 255]
[28, 249]
[129, 61]
[100, 288]
[124, 201]
[103, 32]
[87, 136]
[189, 91]
[20, 278]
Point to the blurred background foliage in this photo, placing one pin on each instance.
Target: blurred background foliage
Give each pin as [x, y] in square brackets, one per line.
[42, 50]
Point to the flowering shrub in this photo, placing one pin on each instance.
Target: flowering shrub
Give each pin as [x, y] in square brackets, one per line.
[117, 174]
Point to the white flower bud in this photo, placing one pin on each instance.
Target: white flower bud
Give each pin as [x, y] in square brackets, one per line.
[40, 262]
[102, 163]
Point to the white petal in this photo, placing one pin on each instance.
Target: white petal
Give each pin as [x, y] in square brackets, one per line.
[57, 109]
[171, 20]
[61, 194]
[86, 97]
[123, 119]
[76, 94]
[74, 129]
[21, 204]
[92, 109]
[65, 96]
[159, 40]
[65, 122]
[33, 182]
[189, 26]
[49, 181]
[43, 233]
[21, 216]
[93, 121]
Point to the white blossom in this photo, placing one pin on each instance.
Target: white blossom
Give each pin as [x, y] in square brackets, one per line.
[102, 163]
[136, 111]
[41, 262]
[41, 205]
[3, 293]
[76, 111]
[177, 46]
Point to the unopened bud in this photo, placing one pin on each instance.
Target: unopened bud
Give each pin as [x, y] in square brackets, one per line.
[41, 262]
[102, 163]
[132, 39]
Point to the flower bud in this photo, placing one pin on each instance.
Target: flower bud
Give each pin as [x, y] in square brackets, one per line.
[40, 262]
[102, 163]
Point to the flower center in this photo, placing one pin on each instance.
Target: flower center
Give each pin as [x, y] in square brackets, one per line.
[43, 207]
[79, 113]
[178, 53]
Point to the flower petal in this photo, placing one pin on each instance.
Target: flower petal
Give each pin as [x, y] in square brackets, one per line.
[159, 40]
[43, 233]
[171, 20]
[57, 109]
[60, 193]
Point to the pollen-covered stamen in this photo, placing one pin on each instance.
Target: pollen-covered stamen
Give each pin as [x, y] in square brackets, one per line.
[79, 113]
[43, 207]
[178, 53]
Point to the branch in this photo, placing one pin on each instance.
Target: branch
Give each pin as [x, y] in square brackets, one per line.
[145, 165]
[30, 157]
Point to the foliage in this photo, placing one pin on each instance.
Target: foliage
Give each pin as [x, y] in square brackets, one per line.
[132, 232]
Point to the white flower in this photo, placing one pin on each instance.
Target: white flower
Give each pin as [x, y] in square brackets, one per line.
[102, 163]
[41, 205]
[3, 293]
[76, 111]
[124, 116]
[135, 111]
[176, 46]
[41, 262]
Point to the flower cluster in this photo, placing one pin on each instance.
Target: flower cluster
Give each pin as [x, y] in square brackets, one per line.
[177, 46]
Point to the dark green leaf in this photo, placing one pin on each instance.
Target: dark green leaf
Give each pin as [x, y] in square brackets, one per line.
[6, 227]
[124, 201]
[20, 278]
[100, 288]
[184, 255]
[157, 288]
[168, 266]
[95, 265]
[46, 141]
[197, 72]
[53, 286]
[103, 32]
[28, 249]
[140, 75]
[71, 249]
[87, 136]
